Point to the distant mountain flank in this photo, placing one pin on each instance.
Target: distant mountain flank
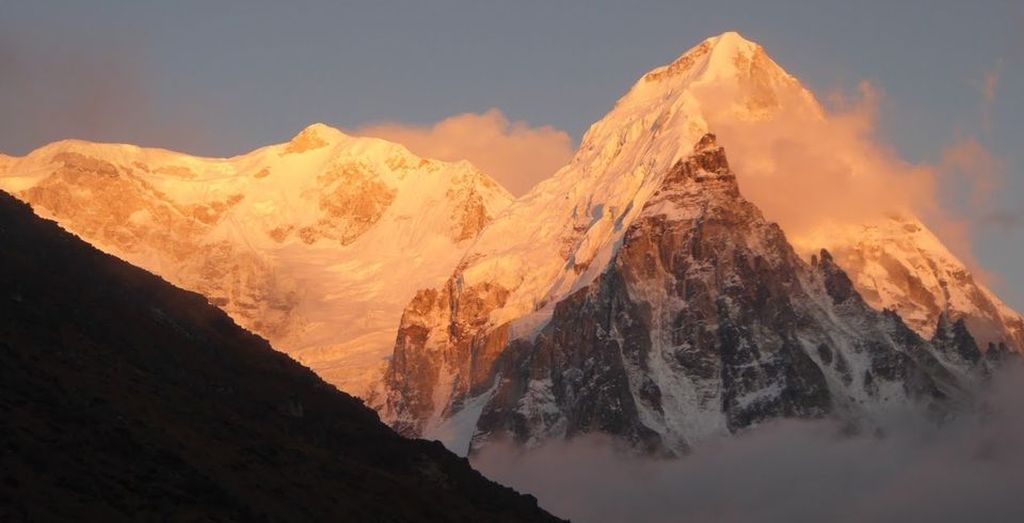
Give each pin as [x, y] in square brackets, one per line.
[315, 244]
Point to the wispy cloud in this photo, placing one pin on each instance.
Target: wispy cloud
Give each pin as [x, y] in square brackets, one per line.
[969, 166]
[806, 168]
[813, 169]
[988, 87]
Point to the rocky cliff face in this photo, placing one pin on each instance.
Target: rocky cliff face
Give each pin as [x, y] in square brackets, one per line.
[705, 322]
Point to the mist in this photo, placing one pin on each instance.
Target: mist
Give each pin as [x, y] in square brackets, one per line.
[967, 469]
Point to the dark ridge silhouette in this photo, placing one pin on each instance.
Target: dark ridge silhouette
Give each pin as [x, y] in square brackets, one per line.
[125, 398]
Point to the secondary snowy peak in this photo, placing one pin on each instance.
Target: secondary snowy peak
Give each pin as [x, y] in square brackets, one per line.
[316, 243]
[897, 263]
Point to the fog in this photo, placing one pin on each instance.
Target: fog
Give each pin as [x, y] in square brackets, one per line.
[968, 469]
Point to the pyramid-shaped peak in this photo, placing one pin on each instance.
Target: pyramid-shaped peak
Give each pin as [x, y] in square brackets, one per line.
[314, 136]
[322, 130]
[726, 55]
[734, 40]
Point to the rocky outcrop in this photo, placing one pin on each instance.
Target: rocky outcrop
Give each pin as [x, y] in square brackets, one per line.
[352, 201]
[432, 371]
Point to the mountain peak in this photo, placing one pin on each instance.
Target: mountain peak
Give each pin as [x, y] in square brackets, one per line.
[726, 54]
[323, 129]
[731, 42]
[314, 136]
[732, 38]
[724, 66]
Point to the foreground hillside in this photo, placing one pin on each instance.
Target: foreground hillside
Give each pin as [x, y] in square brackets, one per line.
[124, 398]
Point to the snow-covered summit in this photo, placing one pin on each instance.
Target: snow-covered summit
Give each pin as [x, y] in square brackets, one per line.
[726, 56]
[558, 237]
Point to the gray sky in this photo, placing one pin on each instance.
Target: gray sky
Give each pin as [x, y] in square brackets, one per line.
[220, 78]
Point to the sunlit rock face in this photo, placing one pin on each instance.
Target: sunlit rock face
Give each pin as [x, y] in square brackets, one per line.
[585, 307]
[315, 244]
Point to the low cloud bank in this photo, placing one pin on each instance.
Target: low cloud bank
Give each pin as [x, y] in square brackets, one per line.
[968, 469]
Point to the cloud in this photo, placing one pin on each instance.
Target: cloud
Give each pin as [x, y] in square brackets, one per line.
[969, 469]
[969, 166]
[988, 87]
[807, 165]
[970, 175]
[513, 153]
[815, 168]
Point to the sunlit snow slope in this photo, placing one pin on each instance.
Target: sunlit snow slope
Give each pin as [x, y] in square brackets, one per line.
[315, 244]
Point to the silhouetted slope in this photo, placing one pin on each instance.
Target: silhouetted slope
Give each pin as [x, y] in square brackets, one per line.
[123, 397]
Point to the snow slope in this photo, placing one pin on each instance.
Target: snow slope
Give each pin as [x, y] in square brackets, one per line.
[316, 244]
[897, 263]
